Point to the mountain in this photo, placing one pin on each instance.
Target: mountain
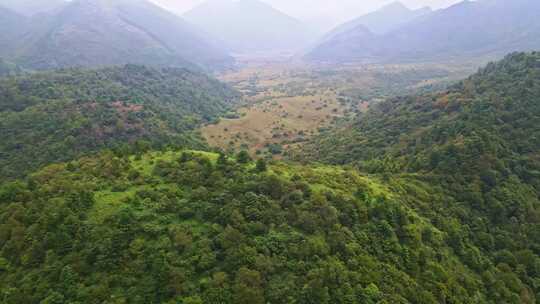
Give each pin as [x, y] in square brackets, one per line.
[384, 20]
[114, 32]
[32, 7]
[56, 116]
[13, 25]
[443, 207]
[343, 44]
[467, 29]
[450, 213]
[197, 227]
[250, 26]
[484, 127]
[479, 141]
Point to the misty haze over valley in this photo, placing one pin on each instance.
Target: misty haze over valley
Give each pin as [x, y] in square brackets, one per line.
[270, 151]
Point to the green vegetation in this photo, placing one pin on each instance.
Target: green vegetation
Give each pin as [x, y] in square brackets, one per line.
[58, 116]
[478, 143]
[8, 69]
[436, 199]
[486, 123]
[190, 227]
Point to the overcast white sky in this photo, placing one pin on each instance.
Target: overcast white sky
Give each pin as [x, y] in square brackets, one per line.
[333, 11]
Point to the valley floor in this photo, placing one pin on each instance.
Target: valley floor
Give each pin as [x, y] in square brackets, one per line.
[288, 102]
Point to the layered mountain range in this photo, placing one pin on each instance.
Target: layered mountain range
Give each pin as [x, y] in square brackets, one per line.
[467, 29]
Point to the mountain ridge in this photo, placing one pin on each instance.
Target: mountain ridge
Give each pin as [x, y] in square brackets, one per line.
[466, 29]
[383, 20]
[72, 112]
[98, 33]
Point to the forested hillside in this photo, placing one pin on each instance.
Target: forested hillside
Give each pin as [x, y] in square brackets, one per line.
[56, 116]
[488, 125]
[194, 227]
[479, 143]
[444, 209]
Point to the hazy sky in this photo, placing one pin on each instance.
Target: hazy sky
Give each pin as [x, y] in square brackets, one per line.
[329, 11]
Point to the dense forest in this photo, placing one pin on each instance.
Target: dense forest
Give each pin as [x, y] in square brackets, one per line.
[58, 116]
[479, 140]
[487, 126]
[195, 227]
[438, 200]
[231, 152]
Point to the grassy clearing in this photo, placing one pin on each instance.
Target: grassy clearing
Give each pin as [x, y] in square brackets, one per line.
[278, 121]
[287, 103]
[322, 178]
[339, 180]
[108, 201]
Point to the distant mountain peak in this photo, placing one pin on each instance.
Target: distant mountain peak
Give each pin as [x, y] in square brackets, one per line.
[396, 5]
[250, 26]
[381, 21]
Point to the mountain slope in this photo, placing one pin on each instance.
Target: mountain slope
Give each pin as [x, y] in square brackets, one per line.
[13, 25]
[479, 141]
[482, 132]
[56, 116]
[384, 20]
[467, 29]
[448, 213]
[32, 7]
[485, 127]
[343, 44]
[196, 227]
[249, 25]
[115, 32]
